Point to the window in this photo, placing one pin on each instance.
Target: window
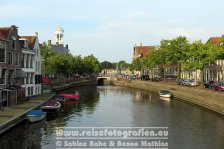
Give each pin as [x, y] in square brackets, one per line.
[2, 76]
[2, 51]
[13, 42]
[61, 36]
[16, 58]
[31, 61]
[39, 66]
[36, 67]
[31, 78]
[27, 78]
[24, 42]
[27, 61]
[10, 58]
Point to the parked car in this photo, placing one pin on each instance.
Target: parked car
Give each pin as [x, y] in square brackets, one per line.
[218, 86]
[193, 83]
[180, 82]
[208, 84]
[145, 77]
[133, 76]
[186, 82]
[156, 79]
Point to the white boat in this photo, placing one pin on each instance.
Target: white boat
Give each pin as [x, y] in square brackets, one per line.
[165, 93]
[51, 106]
[35, 115]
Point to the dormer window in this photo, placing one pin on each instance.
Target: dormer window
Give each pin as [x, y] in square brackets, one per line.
[14, 42]
[24, 42]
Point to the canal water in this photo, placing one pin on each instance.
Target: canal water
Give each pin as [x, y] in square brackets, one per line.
[188, 126]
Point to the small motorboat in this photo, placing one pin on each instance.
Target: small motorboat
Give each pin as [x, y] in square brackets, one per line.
[35, 115]
[165, 93]
[67, 98]
[50, 106]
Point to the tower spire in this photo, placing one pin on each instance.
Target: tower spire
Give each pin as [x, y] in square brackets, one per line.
[59, 36]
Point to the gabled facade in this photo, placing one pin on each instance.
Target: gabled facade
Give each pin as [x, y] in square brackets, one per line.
[214, 71]
[31, 65]
[142, 51]
[11, 75]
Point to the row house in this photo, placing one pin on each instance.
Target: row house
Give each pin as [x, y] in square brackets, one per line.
[214, 71]
[195, 74]
[142, 52]
[163, 71]
[11, 74]
[31, 65]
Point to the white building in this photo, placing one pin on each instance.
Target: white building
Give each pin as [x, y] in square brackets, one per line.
[31, 65]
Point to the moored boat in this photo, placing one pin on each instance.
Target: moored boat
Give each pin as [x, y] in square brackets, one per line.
[51, 106]
[165, 93]
[35, 115]
[65, 98]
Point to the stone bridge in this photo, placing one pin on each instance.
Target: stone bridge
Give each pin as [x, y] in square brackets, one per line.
[103, 80]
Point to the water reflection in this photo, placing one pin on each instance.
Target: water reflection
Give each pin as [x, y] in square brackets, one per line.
[25, 136]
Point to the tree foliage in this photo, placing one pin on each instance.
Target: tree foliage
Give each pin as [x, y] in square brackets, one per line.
[67, 65]
[179, 51]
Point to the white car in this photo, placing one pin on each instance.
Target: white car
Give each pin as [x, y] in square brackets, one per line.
[193, 83]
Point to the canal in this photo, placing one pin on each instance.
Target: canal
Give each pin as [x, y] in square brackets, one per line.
[189, 126]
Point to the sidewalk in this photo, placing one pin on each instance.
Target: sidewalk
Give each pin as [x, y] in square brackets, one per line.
[14, 114]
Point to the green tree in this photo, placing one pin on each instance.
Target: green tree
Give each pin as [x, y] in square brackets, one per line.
[46, 53]
[77, 64]
[106, 64]
[123, 65]
[60, 65]
[176, 50]
[91, 64]
[137, 64]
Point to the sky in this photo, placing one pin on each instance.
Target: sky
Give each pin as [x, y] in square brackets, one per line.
[109, 29]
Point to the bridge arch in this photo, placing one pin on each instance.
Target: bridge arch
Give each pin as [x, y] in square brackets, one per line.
[103, 80]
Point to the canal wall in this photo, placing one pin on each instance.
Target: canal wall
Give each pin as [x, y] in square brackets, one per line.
[206, 98]
[80, 82]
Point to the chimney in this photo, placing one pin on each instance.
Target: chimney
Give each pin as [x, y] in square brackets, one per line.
[14, 28]
[66, 46]
[49, 42]
[36, 34]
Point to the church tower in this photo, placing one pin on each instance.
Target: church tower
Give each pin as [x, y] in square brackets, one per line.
[59, 36]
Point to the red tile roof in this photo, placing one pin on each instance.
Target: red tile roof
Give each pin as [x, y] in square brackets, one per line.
[30, 39]
[144, 50]
[4, 31]
[214, 40]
